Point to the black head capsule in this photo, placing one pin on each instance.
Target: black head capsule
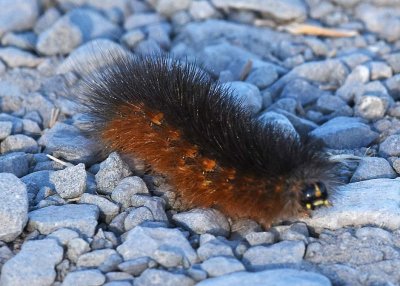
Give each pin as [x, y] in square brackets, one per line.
[315, 196]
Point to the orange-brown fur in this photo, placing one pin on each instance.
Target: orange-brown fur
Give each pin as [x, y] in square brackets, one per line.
[199, 180]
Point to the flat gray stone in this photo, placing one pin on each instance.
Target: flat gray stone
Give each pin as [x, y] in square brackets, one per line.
[63, 235]
[5, 129]
[203, 221]
[246, 93]
[144, 241]
[67, 142]
[372, 202]
[155, 277]
[91, 277]
[76, 247]
[390, 146]
[168, 256]
[345, 132]
[137, 20]
[276, 277]
[37, 102]
[17, 15]
[212, 248]
[373, 168]
[16, 163]
[126, 188]
[36, 260]
[71, 182]
[108, 210]
[82, 218]
[261, 257]
[13, 207]
[277, 119]
[170, 7]
[263, 76]
[37, 180]
[136, 266]
[136, 217]
[14, 58]
[94, 258]
[201, 10]
[218, 266]
[19, 143]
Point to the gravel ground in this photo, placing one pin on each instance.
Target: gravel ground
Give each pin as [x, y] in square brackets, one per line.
[94, 221]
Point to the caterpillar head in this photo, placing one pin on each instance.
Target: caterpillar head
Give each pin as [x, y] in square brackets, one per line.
[315, 196]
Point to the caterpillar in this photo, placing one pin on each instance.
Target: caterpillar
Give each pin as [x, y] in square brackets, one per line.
[213, 151]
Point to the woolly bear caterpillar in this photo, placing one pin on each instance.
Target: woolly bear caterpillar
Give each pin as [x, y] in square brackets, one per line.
[213, 151]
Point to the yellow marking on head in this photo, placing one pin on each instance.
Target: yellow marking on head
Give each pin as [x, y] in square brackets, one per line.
[156, 119]
[318, 192]
[308, 206]
[318, 203]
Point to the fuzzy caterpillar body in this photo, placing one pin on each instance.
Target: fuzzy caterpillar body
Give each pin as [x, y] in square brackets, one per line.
[190, 129]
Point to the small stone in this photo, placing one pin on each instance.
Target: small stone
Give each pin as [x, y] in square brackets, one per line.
[13, 207]
[46, 20]
[117, 224]
[132, 38]
[117, 283]
[379, 206]
[14, 58]
[218, 266]
[137, 20]
[260, 257]
[17, 15]
[111, 172]
[157, 207]
[37, 180]
[371, 107]
[168, 257]
[257, 238]
[396, 165]
[76, 247]
[108, 210]
[345, 132]
[329, 103]
[394, 61]
[263, 76]
[19, 143]
[63, 235]
[276, 277]
[390, 147]
[169, 7]
[153, 277]
[374, 233]
[92, 277]
[380, 70]
[136, 266]
[144, 241]
[94, 258]
[201, 10]
[82, 218]
[16, 163]
[136, 217]
[31, 128]
[213, 248]
[111, 264]
[203, 221]
[66, 142]
[373, 168]
[302, 91]
[5, 129]
[38, 102]
[276, 119]
[247, 94]
[160, 34]
[71, 182]
[36, 260]
[119, 277]
[148, 47]
[126, 188]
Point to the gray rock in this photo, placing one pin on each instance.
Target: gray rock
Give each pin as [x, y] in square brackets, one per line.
[90, 56]
[302, 91]
[108, 210]
[76, 247]
[92, 277]
[119, 277]
[257, 238]
[37, 102]
[261, 257]
[132, 38]
[136, 217]
[169, 7]
[36, 260]
[111, 264]
[287, 104]
[71, 30]
[37, 180]
[203, 221]
[5, 129]
[46, 20]
[148, 47]
[71, 182]
[329, 103]
[95, 258]
[373, 168]
[13, 207]
[144, 241]
[201, 10]
[379, 206]
[14, 57]
[282, 11]
[274, 118]
[16, 163]
[380, 70]
[218, 266]
[31, 128]
[371, 107]
[126, 188]
[276, 277]
[136, 266]
[82, 218]
[17, 15]
[377, 19]
[394, 61]
[157, 207]
[396, 165]
[111, 172]
[374, 233]
[117, 283]
[263, 76]
[393, 86]
[345, 132]
[137, 20]
[390, 147]
[66, 142]
[197, 273]
[155, 277]
[25, 41]
[63, 235]
[212, 248]
[168, 256]
[19, 143]
[15, 121]
[160, 34]
[301, 125]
